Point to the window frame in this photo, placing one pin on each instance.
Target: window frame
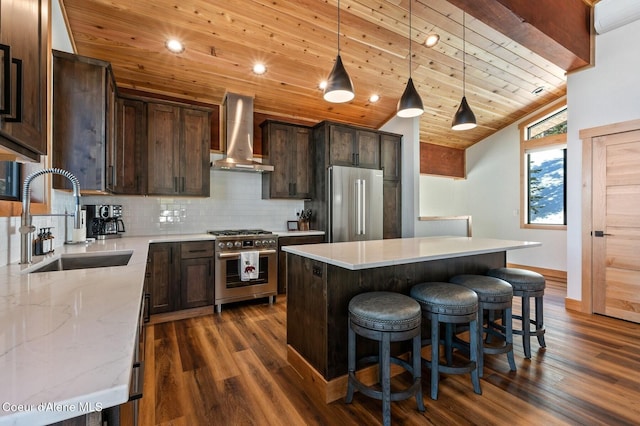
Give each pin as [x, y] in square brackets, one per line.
[529, 145]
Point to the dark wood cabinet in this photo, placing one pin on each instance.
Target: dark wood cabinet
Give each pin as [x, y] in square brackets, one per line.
[282, 255]
[391, 159]
[287, 147]
[24, 38]
[179, 275]
[160, 279]
[126, 172]
[196, 274]
[178, 150]
[83, 106]
[350, 146]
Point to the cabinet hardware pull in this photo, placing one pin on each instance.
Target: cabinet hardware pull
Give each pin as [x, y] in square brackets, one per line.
[19, 104]
[138, 385]
[175, 184]
[183, 181]
[197, 251]
[357, 159]
[147, 309]
[111, 175]
[6, 67]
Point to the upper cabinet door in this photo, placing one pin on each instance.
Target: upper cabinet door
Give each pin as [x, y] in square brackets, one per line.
[390, 152]
[302, 167]
[368, 149]
[24, 36]
[194, 156]
[163, 148]
[342, 149]
[126, 165]
[82, 99]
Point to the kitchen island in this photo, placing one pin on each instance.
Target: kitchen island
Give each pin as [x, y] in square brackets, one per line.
[322, 278]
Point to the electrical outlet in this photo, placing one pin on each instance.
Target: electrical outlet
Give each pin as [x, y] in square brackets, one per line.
[297, 211]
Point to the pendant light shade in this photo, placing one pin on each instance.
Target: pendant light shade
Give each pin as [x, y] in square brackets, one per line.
[339, 86]
[464, 119]
[410, 104]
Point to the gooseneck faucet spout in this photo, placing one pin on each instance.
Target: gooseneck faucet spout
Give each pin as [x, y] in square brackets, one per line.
[26, 227]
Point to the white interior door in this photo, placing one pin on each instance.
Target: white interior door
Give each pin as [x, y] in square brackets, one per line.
[616, 225]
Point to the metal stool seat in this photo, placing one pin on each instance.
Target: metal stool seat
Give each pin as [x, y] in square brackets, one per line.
[526, 284]
[494, 294]
[450, 304]
[385, 317]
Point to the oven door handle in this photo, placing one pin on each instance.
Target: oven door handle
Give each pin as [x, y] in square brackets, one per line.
[236, 254]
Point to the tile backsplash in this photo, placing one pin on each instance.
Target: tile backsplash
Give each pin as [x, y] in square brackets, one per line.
[235, 202]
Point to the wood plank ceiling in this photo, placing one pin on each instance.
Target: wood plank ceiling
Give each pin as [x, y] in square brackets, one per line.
[297, 40]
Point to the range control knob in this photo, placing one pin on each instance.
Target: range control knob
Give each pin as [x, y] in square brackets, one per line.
[258, 243]
[221, 245]
[229, 244]
[237, 244]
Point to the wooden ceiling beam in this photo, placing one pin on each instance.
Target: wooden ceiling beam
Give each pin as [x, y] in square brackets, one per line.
[559, 31]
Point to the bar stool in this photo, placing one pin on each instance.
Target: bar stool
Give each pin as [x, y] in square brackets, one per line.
[450, 304]
[385, 317]
[493, 294]
[526, 284]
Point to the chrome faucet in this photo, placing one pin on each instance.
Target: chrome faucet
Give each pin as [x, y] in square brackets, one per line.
[26, 227]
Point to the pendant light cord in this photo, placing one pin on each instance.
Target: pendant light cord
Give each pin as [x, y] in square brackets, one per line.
[410, 54]
[464, 57]
[338, 27]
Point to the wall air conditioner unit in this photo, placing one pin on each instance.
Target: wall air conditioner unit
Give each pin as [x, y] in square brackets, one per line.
[611, 14]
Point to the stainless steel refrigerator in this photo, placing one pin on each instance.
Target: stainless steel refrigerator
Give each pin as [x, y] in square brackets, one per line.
[355, 204]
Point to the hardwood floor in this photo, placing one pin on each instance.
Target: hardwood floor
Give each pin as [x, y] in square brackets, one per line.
[231, 369]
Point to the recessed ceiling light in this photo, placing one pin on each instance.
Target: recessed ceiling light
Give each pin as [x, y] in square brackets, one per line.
[174, 46]
[259, 69]
[323, 84]
[538, 90]
[374, 98]
[432, 39]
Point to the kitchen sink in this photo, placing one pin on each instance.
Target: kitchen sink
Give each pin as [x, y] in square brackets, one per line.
[68, 262]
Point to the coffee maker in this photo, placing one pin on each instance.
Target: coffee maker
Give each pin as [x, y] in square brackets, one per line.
[104, 221]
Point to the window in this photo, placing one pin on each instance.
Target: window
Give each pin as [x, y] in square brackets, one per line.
[544, 162]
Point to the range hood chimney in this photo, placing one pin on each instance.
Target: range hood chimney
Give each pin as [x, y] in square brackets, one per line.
[237, 128]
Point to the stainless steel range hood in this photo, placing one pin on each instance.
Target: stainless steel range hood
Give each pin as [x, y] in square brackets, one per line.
[237, 128]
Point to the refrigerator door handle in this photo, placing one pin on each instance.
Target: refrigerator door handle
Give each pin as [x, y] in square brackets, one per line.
[358, 206]
[363, 212]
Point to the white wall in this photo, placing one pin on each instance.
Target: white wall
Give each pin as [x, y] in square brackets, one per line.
[607, 93]
[491, 195]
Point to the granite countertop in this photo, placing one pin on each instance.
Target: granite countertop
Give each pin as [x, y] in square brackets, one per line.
[373, 254]
[67, 338]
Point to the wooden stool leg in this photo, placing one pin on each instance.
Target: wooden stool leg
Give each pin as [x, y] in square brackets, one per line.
[385, 369]
[417, 369]
[508, 333]
[540, 321]
[435, 354]
[526, 326]
[474, 348]
[351, 363]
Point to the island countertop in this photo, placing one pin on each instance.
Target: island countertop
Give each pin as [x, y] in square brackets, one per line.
[358, 255]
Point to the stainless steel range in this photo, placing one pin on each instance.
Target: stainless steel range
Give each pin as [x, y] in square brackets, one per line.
[245, 265]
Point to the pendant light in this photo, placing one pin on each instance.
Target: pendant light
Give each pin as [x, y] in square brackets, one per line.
[339, 86]
[410, 104]
[464, 118]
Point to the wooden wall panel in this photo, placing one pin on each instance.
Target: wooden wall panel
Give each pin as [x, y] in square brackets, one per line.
[442, 161]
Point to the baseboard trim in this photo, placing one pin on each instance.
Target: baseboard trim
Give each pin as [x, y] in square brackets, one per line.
[180, 315]
[327, 391]
[573, 305]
